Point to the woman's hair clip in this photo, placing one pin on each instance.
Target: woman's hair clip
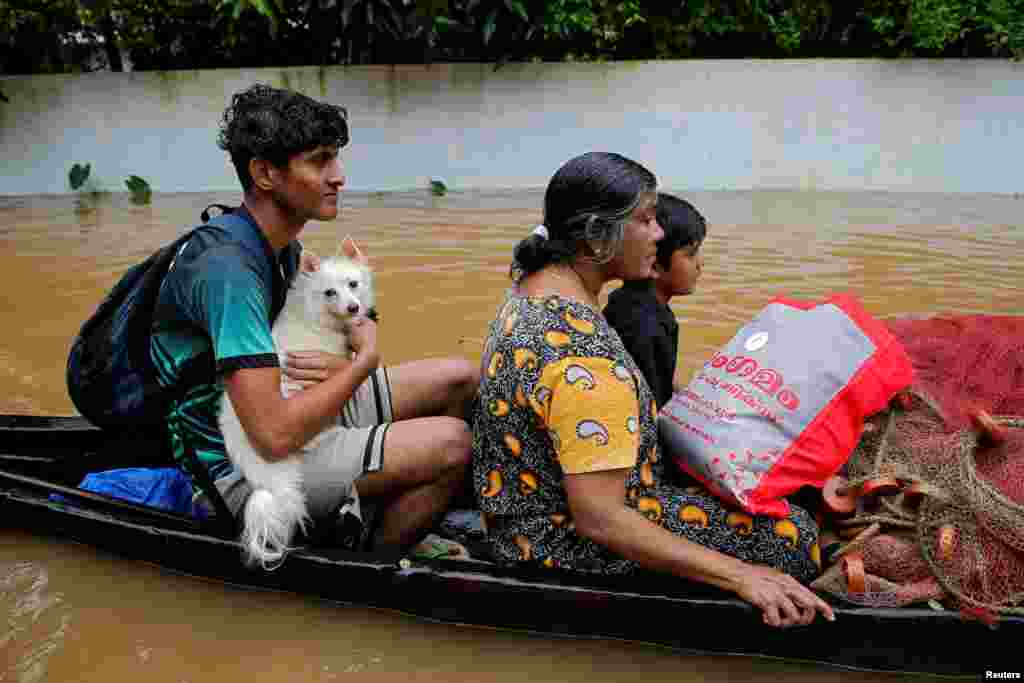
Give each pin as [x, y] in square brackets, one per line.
[541, 231]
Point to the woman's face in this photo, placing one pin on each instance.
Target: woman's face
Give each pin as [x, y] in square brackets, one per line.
[639, 242]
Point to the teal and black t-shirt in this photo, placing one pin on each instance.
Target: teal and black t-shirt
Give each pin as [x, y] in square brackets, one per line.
[213, 315]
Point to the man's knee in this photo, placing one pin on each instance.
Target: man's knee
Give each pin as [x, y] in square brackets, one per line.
[461, 382]
[455, 445]
[463, 377]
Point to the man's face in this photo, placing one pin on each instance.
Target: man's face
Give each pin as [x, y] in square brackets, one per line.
[309, 186]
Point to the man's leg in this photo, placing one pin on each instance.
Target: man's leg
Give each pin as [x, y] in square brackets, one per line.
[425, 388]
[426, 450]
[425, 464]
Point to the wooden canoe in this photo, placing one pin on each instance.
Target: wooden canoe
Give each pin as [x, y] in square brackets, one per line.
[41, 456]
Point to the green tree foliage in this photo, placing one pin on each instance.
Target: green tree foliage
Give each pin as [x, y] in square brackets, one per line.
[834, 28]
[54, 36]
[34, 36]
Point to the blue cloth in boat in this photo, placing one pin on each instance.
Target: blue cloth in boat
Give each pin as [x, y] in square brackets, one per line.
[165, 488]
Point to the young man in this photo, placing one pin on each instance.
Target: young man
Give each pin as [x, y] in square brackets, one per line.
[639, 310]
[212, 334]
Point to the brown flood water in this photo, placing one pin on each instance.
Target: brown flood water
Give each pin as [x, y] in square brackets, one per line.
[76, 614]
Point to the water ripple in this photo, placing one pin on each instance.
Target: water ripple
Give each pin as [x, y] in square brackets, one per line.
[37, 618]
[442, 267]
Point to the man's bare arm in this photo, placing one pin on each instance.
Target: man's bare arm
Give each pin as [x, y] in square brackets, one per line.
[276, 426]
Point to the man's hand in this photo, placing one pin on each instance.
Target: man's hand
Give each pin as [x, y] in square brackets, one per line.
[310, 367]
[309, 262]
[362, 339]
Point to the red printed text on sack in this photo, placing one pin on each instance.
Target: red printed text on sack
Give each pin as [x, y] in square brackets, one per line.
[766, 380]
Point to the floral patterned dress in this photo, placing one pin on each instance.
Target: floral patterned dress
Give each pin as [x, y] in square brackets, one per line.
[560, 395]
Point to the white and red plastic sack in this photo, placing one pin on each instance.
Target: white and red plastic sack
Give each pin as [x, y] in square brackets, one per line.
[783, 404]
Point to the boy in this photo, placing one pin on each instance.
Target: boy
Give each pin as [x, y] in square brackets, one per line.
[639, 310]
[212, 324]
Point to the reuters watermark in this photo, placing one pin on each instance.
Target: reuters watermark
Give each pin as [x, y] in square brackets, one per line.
[1002, 676]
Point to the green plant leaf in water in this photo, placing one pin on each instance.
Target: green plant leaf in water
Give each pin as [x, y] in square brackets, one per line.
[78, 174]
[438, 188]
[141, 192]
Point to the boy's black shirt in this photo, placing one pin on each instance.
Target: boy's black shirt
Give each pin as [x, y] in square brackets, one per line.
[649, 332]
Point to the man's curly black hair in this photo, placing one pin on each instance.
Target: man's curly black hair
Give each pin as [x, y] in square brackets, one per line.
[274, 124]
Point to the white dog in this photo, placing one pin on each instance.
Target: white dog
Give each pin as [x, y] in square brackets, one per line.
[319, 304]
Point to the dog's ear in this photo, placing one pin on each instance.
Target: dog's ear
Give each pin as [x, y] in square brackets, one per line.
[350, 250]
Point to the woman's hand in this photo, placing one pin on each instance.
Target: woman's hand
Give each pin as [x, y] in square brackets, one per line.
[310, 367]
[595, 502]
[781, 598]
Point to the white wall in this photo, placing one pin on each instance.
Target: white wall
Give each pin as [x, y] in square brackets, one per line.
[913, 125]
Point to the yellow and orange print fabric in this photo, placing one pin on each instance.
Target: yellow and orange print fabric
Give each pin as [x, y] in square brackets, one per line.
[560, 395]
[592, 419]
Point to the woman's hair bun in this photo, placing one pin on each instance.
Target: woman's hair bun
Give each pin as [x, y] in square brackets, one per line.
[530, 254]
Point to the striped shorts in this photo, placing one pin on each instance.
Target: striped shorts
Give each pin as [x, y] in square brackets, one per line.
[338, 456]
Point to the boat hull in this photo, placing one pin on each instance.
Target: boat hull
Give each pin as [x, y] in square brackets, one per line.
[652, 609]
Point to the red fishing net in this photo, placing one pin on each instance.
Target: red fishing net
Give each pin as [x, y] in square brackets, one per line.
[931, 505]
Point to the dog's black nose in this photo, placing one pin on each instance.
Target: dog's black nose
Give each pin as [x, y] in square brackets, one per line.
[353, 308]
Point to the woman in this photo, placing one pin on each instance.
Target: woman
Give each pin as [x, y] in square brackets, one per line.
[565, 439]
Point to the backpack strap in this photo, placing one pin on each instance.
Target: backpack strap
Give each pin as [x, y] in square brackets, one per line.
[225, 519]
[162, 263]
[287, 262]
[225, 210]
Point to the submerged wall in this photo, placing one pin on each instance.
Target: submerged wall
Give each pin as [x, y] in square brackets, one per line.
[915, 125]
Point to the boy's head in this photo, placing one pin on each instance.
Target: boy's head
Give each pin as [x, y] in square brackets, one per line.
[684, 227]
[679, 262]
[273, 124]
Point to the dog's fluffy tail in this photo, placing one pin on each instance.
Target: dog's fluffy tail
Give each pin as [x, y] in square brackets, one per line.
[277, 507]
[271, 519]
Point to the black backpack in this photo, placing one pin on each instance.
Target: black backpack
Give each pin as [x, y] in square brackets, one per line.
[110, 376]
